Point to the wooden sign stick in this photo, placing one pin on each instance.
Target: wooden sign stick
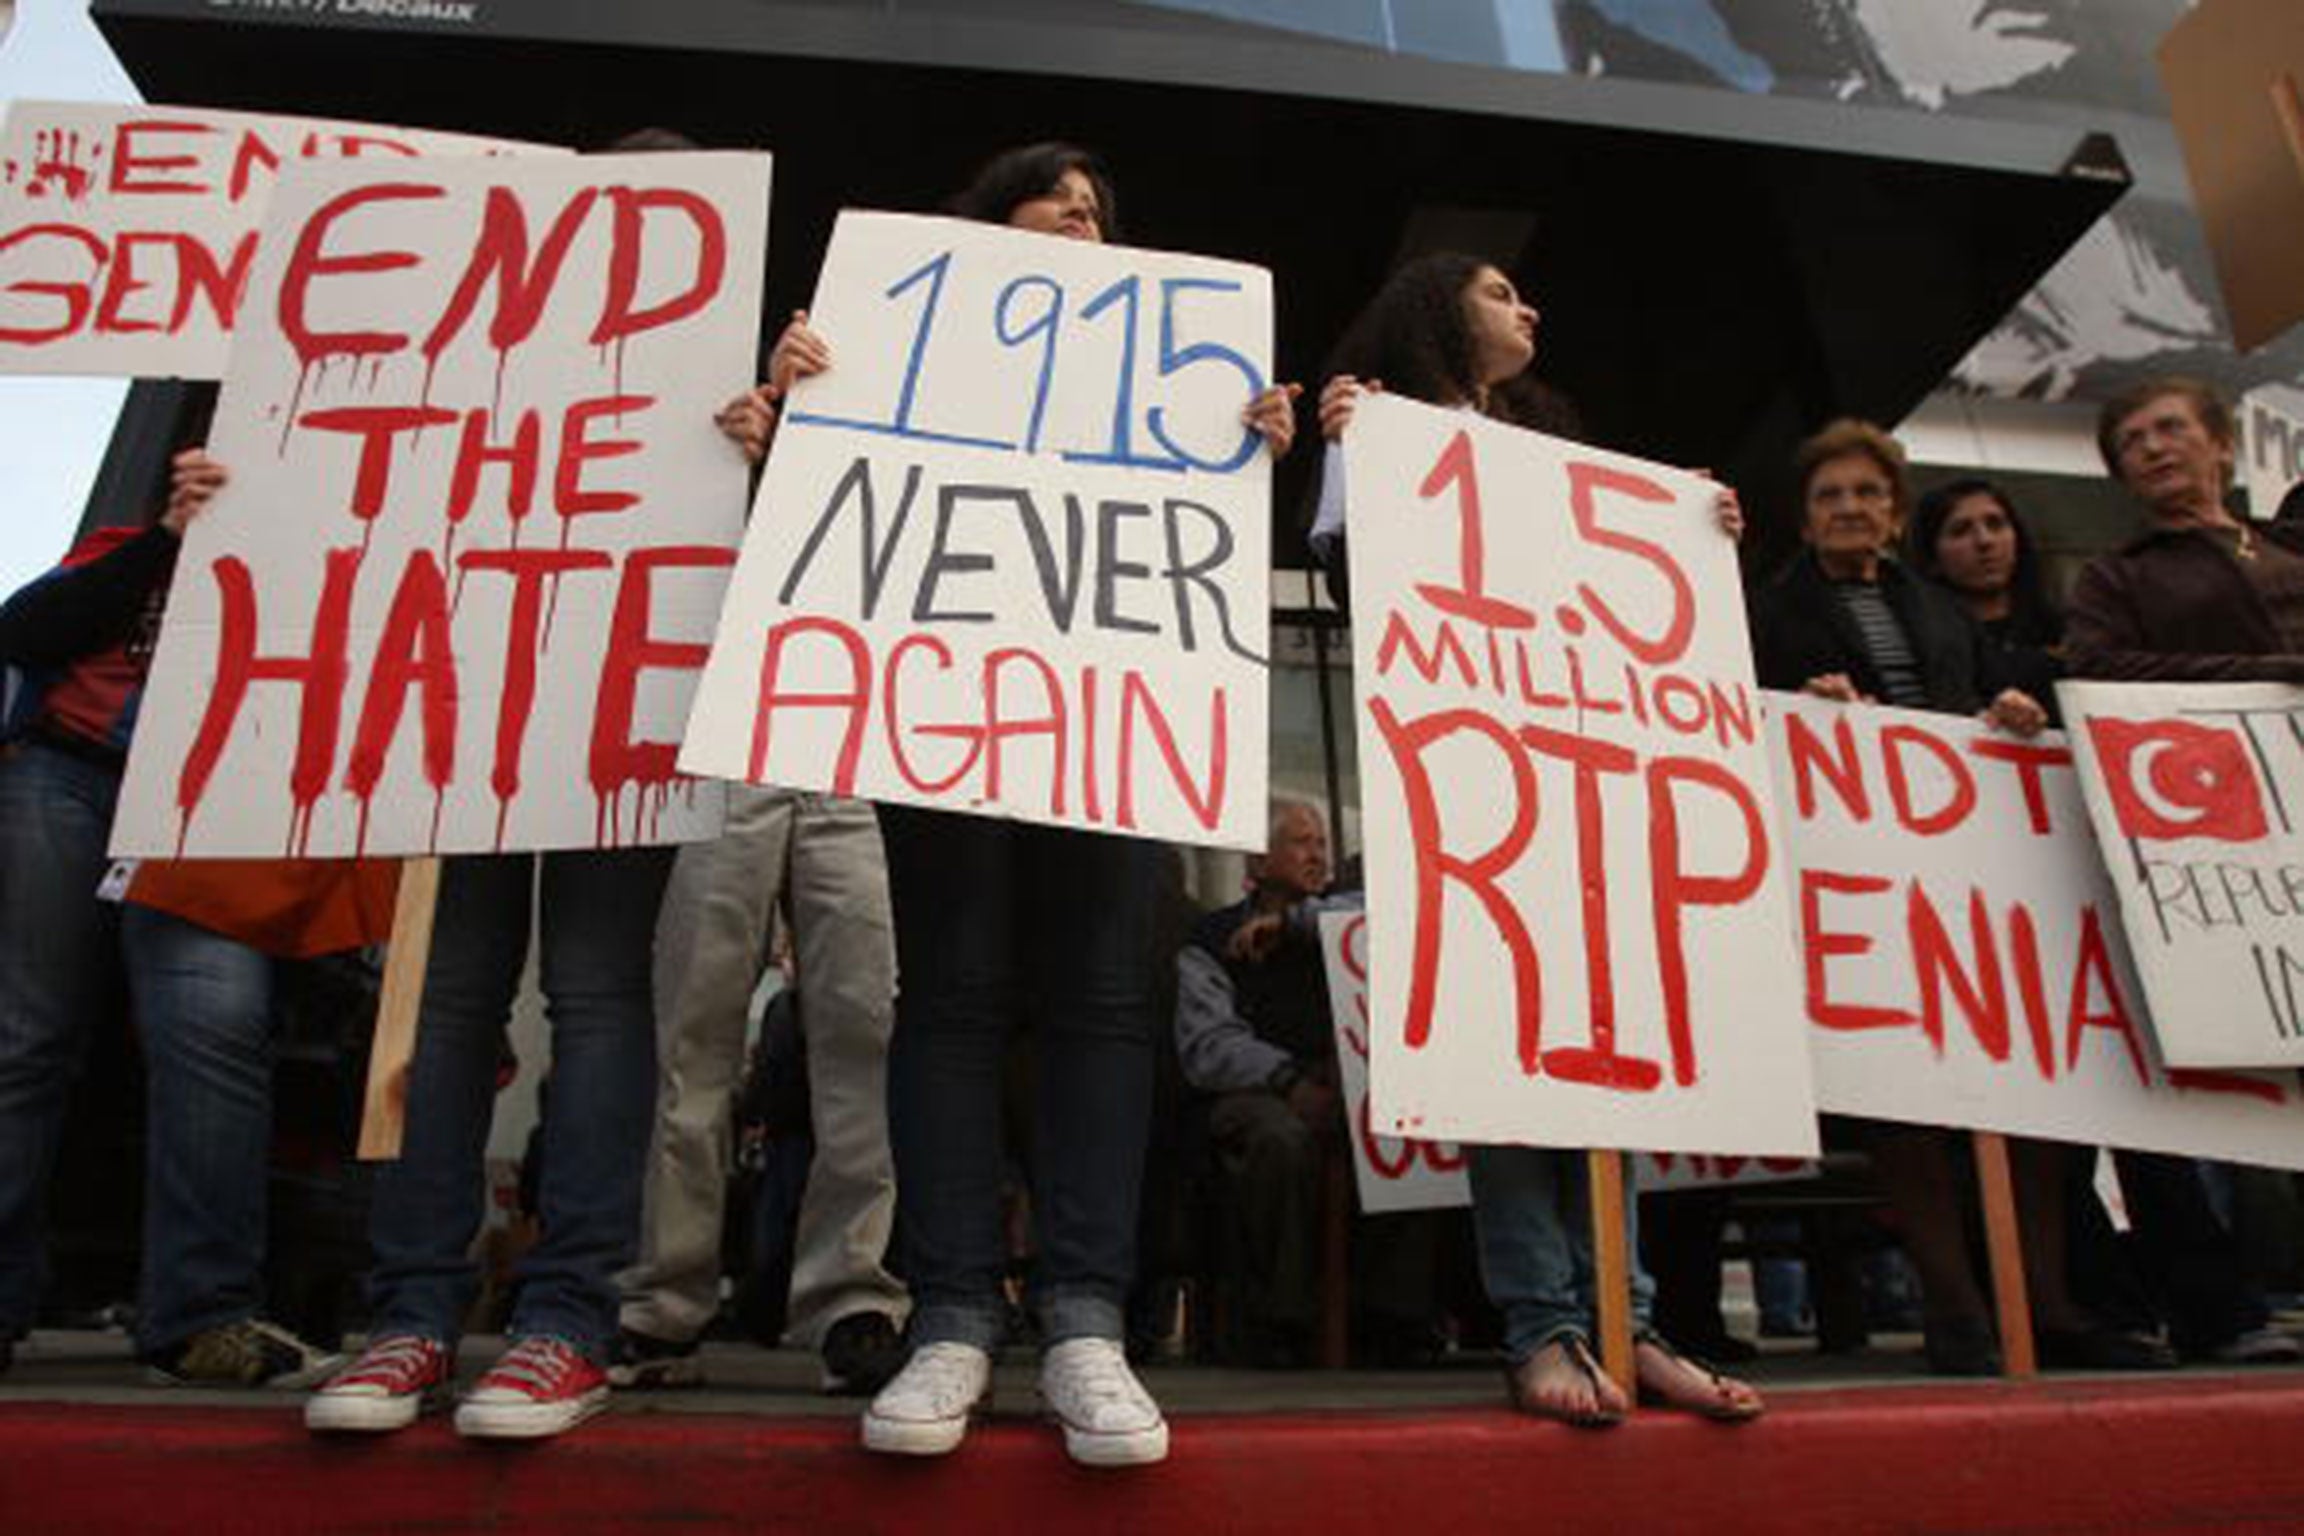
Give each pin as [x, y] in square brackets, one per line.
[2003, 1244]
[384, 1113]
[1611, 1266]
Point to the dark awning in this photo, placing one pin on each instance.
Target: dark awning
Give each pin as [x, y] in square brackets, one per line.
[1718, 273]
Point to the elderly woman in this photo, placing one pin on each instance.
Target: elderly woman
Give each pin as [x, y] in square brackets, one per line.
[1845, 620]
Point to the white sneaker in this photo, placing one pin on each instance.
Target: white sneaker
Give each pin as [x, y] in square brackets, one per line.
[1109, 1419]
[924, 1410]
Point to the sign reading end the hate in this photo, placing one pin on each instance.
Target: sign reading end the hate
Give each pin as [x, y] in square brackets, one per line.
[479, 521]
[1011, 553]
[1578, 932]
[2195, 791]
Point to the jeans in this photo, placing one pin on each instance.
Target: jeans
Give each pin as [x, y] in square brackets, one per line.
[204, 1012]
[58, 958]
[1532, 1213]
[994, 921]
[597, 925]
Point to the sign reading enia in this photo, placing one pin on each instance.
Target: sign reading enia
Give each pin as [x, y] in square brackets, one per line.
[128, 233]
[1010, 555]
[479, 521]
[1577, 932]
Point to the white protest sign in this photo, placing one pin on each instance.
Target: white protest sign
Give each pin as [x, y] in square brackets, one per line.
[1402, 1174]
[1011, 552]
[1392, 1173]
[128, 233]
[479, 522]
[2271, 445]
[2194, 789]
[1576, 925]
[1963, 964]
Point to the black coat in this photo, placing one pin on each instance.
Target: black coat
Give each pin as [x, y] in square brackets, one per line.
[1800, 631]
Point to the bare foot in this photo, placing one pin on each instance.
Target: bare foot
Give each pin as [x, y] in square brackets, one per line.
[1672, 1380]
[1562, 1381]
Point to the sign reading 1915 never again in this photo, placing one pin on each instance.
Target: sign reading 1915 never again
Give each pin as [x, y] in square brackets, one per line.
[456, 593]
[1577, 928]
[128, 233]
[2196, 791]
[1010, 555]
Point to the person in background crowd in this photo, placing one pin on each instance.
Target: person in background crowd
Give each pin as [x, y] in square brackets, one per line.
[1967, 537]
[1847, 621]
[993, 918]
[2199, 596]
[83, 636]
[822, 856]
[1451, 330]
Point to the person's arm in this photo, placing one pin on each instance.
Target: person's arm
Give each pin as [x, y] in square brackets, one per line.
[1219, 1050]
[2104, 638]
[76, 610]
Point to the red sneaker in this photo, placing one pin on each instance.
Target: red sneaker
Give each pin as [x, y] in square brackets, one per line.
[397, 1377]
[540, 1387]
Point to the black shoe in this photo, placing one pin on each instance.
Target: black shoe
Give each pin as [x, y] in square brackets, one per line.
[247, 1353]
[638, 1361]
[862, 1353]
[2102, 1348]
[1962, 1346]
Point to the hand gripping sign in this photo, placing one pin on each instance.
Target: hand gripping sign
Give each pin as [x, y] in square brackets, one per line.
[2195, 791]
[455, 596]
[128, 233]
[1010, 555]
[1577, 927]
[1960, 961]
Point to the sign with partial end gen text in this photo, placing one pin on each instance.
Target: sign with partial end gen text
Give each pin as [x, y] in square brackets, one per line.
[1011, 553]
[456, 594]
[128, 233]
[2195, 791]
[1577, 926]
[1961, 954]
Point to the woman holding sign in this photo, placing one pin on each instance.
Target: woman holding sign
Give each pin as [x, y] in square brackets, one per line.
[1451, 330]
[994, 920]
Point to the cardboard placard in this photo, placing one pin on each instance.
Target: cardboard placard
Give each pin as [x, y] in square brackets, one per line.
[1577, 930]
[1011, 553]
[1961, 953]
[2193, 790]
[128, 233]
[479, 521]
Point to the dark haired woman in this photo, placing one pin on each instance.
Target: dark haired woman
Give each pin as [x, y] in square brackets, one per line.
[1967, 537]
[995, 918]
[1451, 330]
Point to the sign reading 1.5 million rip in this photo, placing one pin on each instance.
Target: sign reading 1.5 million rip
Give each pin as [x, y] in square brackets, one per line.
[1010, 553]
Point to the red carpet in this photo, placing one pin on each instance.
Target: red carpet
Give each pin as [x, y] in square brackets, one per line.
[2218, 1453]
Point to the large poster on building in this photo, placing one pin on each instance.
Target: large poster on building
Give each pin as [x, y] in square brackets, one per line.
[2194, 791]
[1011, 552]
[128, 234]
[1578, 935]
[1961, 955]
[456, 594]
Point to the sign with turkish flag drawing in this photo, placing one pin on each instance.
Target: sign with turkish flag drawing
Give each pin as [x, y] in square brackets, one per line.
[128, 233]
[1012, 552]
[1961, 960]
[456, 593]
[2195, 790]
[1578, 932]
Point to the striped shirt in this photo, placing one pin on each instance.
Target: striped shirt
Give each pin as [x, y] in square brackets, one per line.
[1886, 645]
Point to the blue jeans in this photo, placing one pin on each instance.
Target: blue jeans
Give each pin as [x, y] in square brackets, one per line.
[58, 961]
[597, 931]
[204, 1011]
[996, 920]
[1532, 1213]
